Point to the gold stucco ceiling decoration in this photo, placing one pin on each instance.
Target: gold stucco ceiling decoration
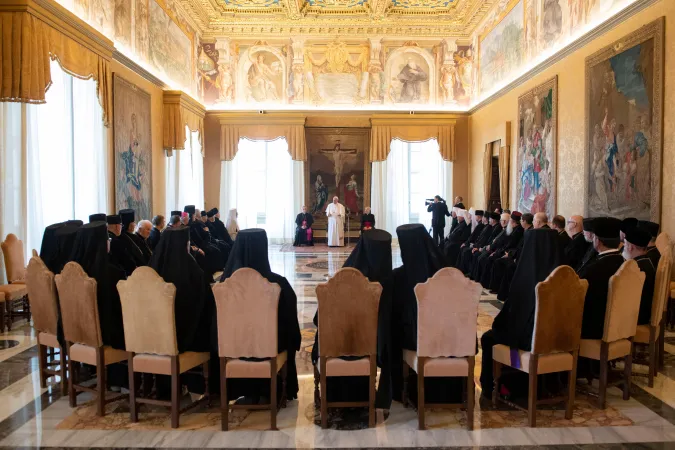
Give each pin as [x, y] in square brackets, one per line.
[314, 18]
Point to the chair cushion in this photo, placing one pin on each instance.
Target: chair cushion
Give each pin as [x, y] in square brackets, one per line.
[86, 354]
[438, 367]
[161, 364]
[49, 340]
[590, 348]
[642, 334]
[338, 367]
[549, 363]
[239, 368]
[14, 291]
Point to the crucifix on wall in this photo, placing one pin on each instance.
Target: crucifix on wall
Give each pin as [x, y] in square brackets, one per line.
[339, 156]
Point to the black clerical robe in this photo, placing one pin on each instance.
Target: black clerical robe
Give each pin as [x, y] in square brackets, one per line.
[575, 250]
[654, 255]
[367, 222]
[153, 239]
[564, 239]
[120, 254]
[454, 241]
[598, 273]
[503, 270]
[145, 248]
[645, 264]
[303, 236]
[497, 242]
[509, 246]
[134, 247]
[465, 252]
[588, 258]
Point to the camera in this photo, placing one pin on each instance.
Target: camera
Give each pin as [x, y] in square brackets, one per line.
[429, 201]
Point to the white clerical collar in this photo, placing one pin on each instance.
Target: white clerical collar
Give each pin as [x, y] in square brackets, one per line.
[608, 251]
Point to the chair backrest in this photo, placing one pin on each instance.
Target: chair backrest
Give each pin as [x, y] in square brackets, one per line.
[247, 308]
[664, 244]
[447, 314]
[79, 310]
[15, 264]
[623, 302]
[146, 298]
[348, 308]
[42, 295]
[559, 312]
[661, 287]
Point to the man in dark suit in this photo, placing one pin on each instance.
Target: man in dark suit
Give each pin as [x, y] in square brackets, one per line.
[577, 247]
[558, 224]
[158, 223]
[439, 210]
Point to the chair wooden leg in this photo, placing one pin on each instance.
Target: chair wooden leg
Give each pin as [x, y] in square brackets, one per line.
[532, 392]
[133, 412]
[3, 308]
[404, 393]
[224, 404]
[420, 393]
[496, 375]
[10, 317]
[317, 395]
[653, 346]
[207, 390]
[572, 386]
[371, 392]
[273, 394]
[470, 394]
[175, 391]
[284, 384]
[662, 339]
[102, 384]
[324, 394]
[627, 370]
[602, 392]
[42, 363]
[64, 372]
[72, 399]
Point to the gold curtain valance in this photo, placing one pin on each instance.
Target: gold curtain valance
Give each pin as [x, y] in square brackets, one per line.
[35, 31]
[411, 128]
[181, 110]
[256, 127]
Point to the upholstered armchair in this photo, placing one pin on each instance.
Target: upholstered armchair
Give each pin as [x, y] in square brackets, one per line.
[447, 319]
[247, 312]
[555, 340]
[146, 298]
[16, 304]
[348, 308]
[15, 264]
[82, 333]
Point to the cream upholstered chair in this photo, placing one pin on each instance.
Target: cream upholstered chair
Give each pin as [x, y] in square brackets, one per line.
[15, 296]
[621, 315]
[650, 334]
[664, 244]
[247, 313]
[147, 298]
[82, 332]
[45, 307]
[555, 340]
[447, 319]
[348, 308]
[15, 269]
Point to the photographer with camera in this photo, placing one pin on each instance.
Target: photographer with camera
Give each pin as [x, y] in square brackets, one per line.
[439, 209]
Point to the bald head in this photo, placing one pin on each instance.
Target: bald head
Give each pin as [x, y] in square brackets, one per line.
[540, 219]
[575, 225]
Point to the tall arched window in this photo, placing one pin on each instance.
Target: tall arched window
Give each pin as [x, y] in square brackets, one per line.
[185, 175]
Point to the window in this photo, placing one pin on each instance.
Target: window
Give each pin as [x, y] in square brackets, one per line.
[185, 175]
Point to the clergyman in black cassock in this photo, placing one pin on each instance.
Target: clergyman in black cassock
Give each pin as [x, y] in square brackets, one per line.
[367, 220]
[213, 260]
[49, 249]
[514, 324]
[653, 229]
[591, 253]
[577, 247]
[491, 230]
[511, 243]
[456, 238]
[250, 250]
[636, 241]
[303, 229]
[158, 223]
[505, 267]
[498, 242]
[120, 254]
[131, 241]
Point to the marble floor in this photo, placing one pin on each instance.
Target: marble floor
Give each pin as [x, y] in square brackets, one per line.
[31, 417]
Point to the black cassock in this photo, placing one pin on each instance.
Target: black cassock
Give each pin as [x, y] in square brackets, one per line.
[510, 246]
[514, 324]
[214, 256]
[646, 266]
[503, 270]
[575, 250]
[466, 253]
[49, 249]
[497, 242]
[598, 272]
[655, 255]
[303, 236]
[590, 256]
[564, 240]
[134, 247]
[453, 243]
[221, 232]
[142, 244]
[153, 239]
[367, 221]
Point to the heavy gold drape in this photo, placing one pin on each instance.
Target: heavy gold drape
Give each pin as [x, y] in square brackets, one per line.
[487, 173]
[257, 127]
[504, 176]
[35, 31]
[181, 110]
[413, 129]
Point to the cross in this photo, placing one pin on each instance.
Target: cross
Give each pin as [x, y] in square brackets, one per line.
[338, 154]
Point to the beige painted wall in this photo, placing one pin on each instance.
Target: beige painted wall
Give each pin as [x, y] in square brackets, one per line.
[485, 123]
[158, 156]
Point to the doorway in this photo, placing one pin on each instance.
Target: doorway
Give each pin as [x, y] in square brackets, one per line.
[495, 199]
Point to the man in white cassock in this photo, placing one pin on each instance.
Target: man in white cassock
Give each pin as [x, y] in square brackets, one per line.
[336, 215]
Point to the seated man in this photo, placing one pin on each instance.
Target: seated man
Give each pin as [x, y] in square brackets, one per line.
[142, 235]
[505, 267]
[303, 229]
[514, 234]
[484, 252]
[635, 245]
[591, 253]
[606, 243]
[456, 237]
[156, 232]
[490, 220]
[577, 247]
[558, 224]
[653, 229]
[627, 224]
[367, 220]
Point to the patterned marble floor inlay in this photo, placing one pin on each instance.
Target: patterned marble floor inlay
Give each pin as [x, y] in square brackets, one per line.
[31, 417]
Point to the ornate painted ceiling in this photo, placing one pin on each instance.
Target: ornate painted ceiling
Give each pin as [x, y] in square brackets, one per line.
[390, 18]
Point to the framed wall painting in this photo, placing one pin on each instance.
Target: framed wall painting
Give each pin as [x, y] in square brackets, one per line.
[536, 160]
[133, 148]
[623, 126]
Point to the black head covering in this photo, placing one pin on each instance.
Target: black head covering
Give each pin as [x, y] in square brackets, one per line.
[249, 250]
[421, 257]
[90, 249]
[479, 212]
[495, 216]
[638, 236]
[541, 254]
[607, 227]
[76, 223]
[113, 220]
[372, 255]
[516, 216]
[128, 216]
[190, 209]
[651, 227]
[628, 223]
[204, 213]
[588, 224]
[210, 213]
[49, 250]
[100, 217]
[65, 239]
[215, 211]
[176, 213]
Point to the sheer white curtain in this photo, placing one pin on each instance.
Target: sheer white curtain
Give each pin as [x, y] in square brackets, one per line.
[185, 175]
[413, 172]
[53, 159]
[265, 186]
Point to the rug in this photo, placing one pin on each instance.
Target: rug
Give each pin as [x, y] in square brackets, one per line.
[317, 248]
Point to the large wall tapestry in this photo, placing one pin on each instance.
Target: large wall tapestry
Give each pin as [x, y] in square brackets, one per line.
[537, 149]
[338, 165]
[133, 148]
[624, 116]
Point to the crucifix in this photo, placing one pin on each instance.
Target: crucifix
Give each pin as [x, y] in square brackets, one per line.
[339, 155]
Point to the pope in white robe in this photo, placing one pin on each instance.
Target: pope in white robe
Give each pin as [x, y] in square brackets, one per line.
[336, 216]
